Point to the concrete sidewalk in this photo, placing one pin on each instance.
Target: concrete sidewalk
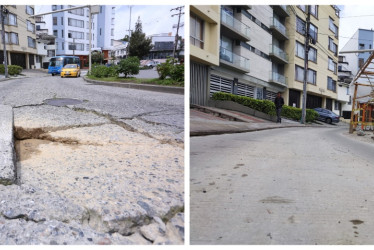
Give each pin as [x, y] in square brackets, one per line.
[7, 155]
[210, 122]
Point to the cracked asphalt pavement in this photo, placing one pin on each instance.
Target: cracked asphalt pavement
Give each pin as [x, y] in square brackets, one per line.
[108, 170]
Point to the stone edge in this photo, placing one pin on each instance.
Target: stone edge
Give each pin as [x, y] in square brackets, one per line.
[7, 152]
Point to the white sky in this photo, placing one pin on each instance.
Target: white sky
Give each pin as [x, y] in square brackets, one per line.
[353, 17]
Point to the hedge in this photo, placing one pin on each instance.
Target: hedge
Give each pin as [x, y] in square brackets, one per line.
[12, 69]
[266, 106]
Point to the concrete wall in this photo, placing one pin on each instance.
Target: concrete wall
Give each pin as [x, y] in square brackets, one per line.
[210, 53]
[352, 58]
[104, 22]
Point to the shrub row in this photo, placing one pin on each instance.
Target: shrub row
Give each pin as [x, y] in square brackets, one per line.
[171, 69]
[103, 71]
[266, 106]
[128, 66]
[12, 69]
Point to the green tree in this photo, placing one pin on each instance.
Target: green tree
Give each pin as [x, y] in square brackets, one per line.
[139, 44]
[126, 38]
[97, 57]
[129, 66]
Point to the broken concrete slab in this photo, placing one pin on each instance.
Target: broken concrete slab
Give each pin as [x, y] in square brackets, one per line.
[7, 156]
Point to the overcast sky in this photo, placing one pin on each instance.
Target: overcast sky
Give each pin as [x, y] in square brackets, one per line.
[353, 17]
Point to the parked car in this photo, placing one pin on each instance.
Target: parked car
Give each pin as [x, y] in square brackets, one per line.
[327, 115]
[71, 70]
[151, 64]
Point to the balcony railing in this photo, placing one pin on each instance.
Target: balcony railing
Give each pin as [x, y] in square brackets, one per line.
[234, 24]
[278, 52]
[276, 77]
[233, 58]
[278, 25]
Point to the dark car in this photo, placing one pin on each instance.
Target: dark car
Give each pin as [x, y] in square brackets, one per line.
[327, 115]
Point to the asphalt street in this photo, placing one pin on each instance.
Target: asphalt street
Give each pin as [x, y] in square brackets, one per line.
[102, 165]
[282, 186]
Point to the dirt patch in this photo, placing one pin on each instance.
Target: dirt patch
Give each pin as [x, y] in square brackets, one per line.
[28, 148]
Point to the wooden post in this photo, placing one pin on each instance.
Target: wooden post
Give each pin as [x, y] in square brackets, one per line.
[353, 108]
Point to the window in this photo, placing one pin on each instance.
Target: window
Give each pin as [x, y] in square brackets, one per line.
[12, 19]
[113, 10]
[302, 7]
[62, 45]
[300, 52]
[332, 65]
[62, 33]
[313, 32]
[260, 93]
[54, 20]
[55, 33]
[87, 47]
[314, 10]
[76, 34]
[30, 26]
[196, 31]
[75, 23]
[50, 53]
[54, 7]
[112, 22]
[100, 31]
[332, 46]
[300, 25]
[62, 20]
[361, 46]
[11, 38]
[112, 32]
[31, 42]
[333, 27]
[101, 9]
[347, 90]
[29, 10]
[331, 84]
[78, 46]
[299, 75]
[360, 62]
[111, 42]
[337, 105]
[78, 12]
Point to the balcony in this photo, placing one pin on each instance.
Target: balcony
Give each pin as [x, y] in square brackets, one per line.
[278, 29]
[233, 61]
[233, 28]
[278, 79]
[281, 10]
[278, 55]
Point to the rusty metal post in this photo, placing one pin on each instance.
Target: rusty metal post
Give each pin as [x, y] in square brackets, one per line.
[353, 108]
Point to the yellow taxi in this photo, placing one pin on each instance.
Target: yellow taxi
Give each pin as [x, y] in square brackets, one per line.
[71, 70]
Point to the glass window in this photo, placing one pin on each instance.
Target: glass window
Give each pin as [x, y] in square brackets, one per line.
[302, 7]
[313, 32]
[332, 65]
[30, 26]
[300, 25]
[331, 84]
[54, 20]
[332, 46]
[31, 42]
[11, 20]
[14, 38]
[299, 75]
[75, 23]
[312, 55]
[55, 33]
[62, 33]
[51, 53]
[29, 10]
[312, 76]
[196, 31]
[333, 27]
[54, 7]
[112, 32]
[260, 93]
[78, 12]
[300, 52]
[314, 10]
[62, 21]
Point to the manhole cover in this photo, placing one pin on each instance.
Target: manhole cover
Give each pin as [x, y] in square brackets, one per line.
[59, 102]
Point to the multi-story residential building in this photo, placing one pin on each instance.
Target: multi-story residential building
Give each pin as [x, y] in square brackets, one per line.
[20, 37]
[362, 39]
[163, 46]
[262, 52]
[119, 49]
[345, 77]
[105, 29]
[204, 49]
[322, 57]
[45, 41]
[71, 29]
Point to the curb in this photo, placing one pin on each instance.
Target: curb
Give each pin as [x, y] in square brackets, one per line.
[7, 154]
[157, 88]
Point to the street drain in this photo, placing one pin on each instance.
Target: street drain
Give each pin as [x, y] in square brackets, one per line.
[60, 102]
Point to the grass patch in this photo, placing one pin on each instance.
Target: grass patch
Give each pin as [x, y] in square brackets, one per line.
[156, 81]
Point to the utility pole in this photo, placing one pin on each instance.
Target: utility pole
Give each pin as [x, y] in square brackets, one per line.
[306, 49]
[129, 30]
[4, 11]
[176, 35]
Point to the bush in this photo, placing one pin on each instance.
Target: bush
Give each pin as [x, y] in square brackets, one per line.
[103, 71]
[171, 69]
[12, 69]
[266, 106]
[177, 73]
[129, 66]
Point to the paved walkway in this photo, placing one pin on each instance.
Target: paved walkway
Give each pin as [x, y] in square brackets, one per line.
[202, 123]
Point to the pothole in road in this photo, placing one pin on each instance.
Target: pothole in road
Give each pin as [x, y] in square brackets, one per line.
[60, 102]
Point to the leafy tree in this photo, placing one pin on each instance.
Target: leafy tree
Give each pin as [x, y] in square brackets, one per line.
[139, 44]
[129, 66]
[126, 38]
[97, 57]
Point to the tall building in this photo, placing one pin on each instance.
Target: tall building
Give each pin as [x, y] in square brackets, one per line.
[105, 29]
[261, 52]
[20, 37]
[72, 28]
[45, 41]
[322, 58]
